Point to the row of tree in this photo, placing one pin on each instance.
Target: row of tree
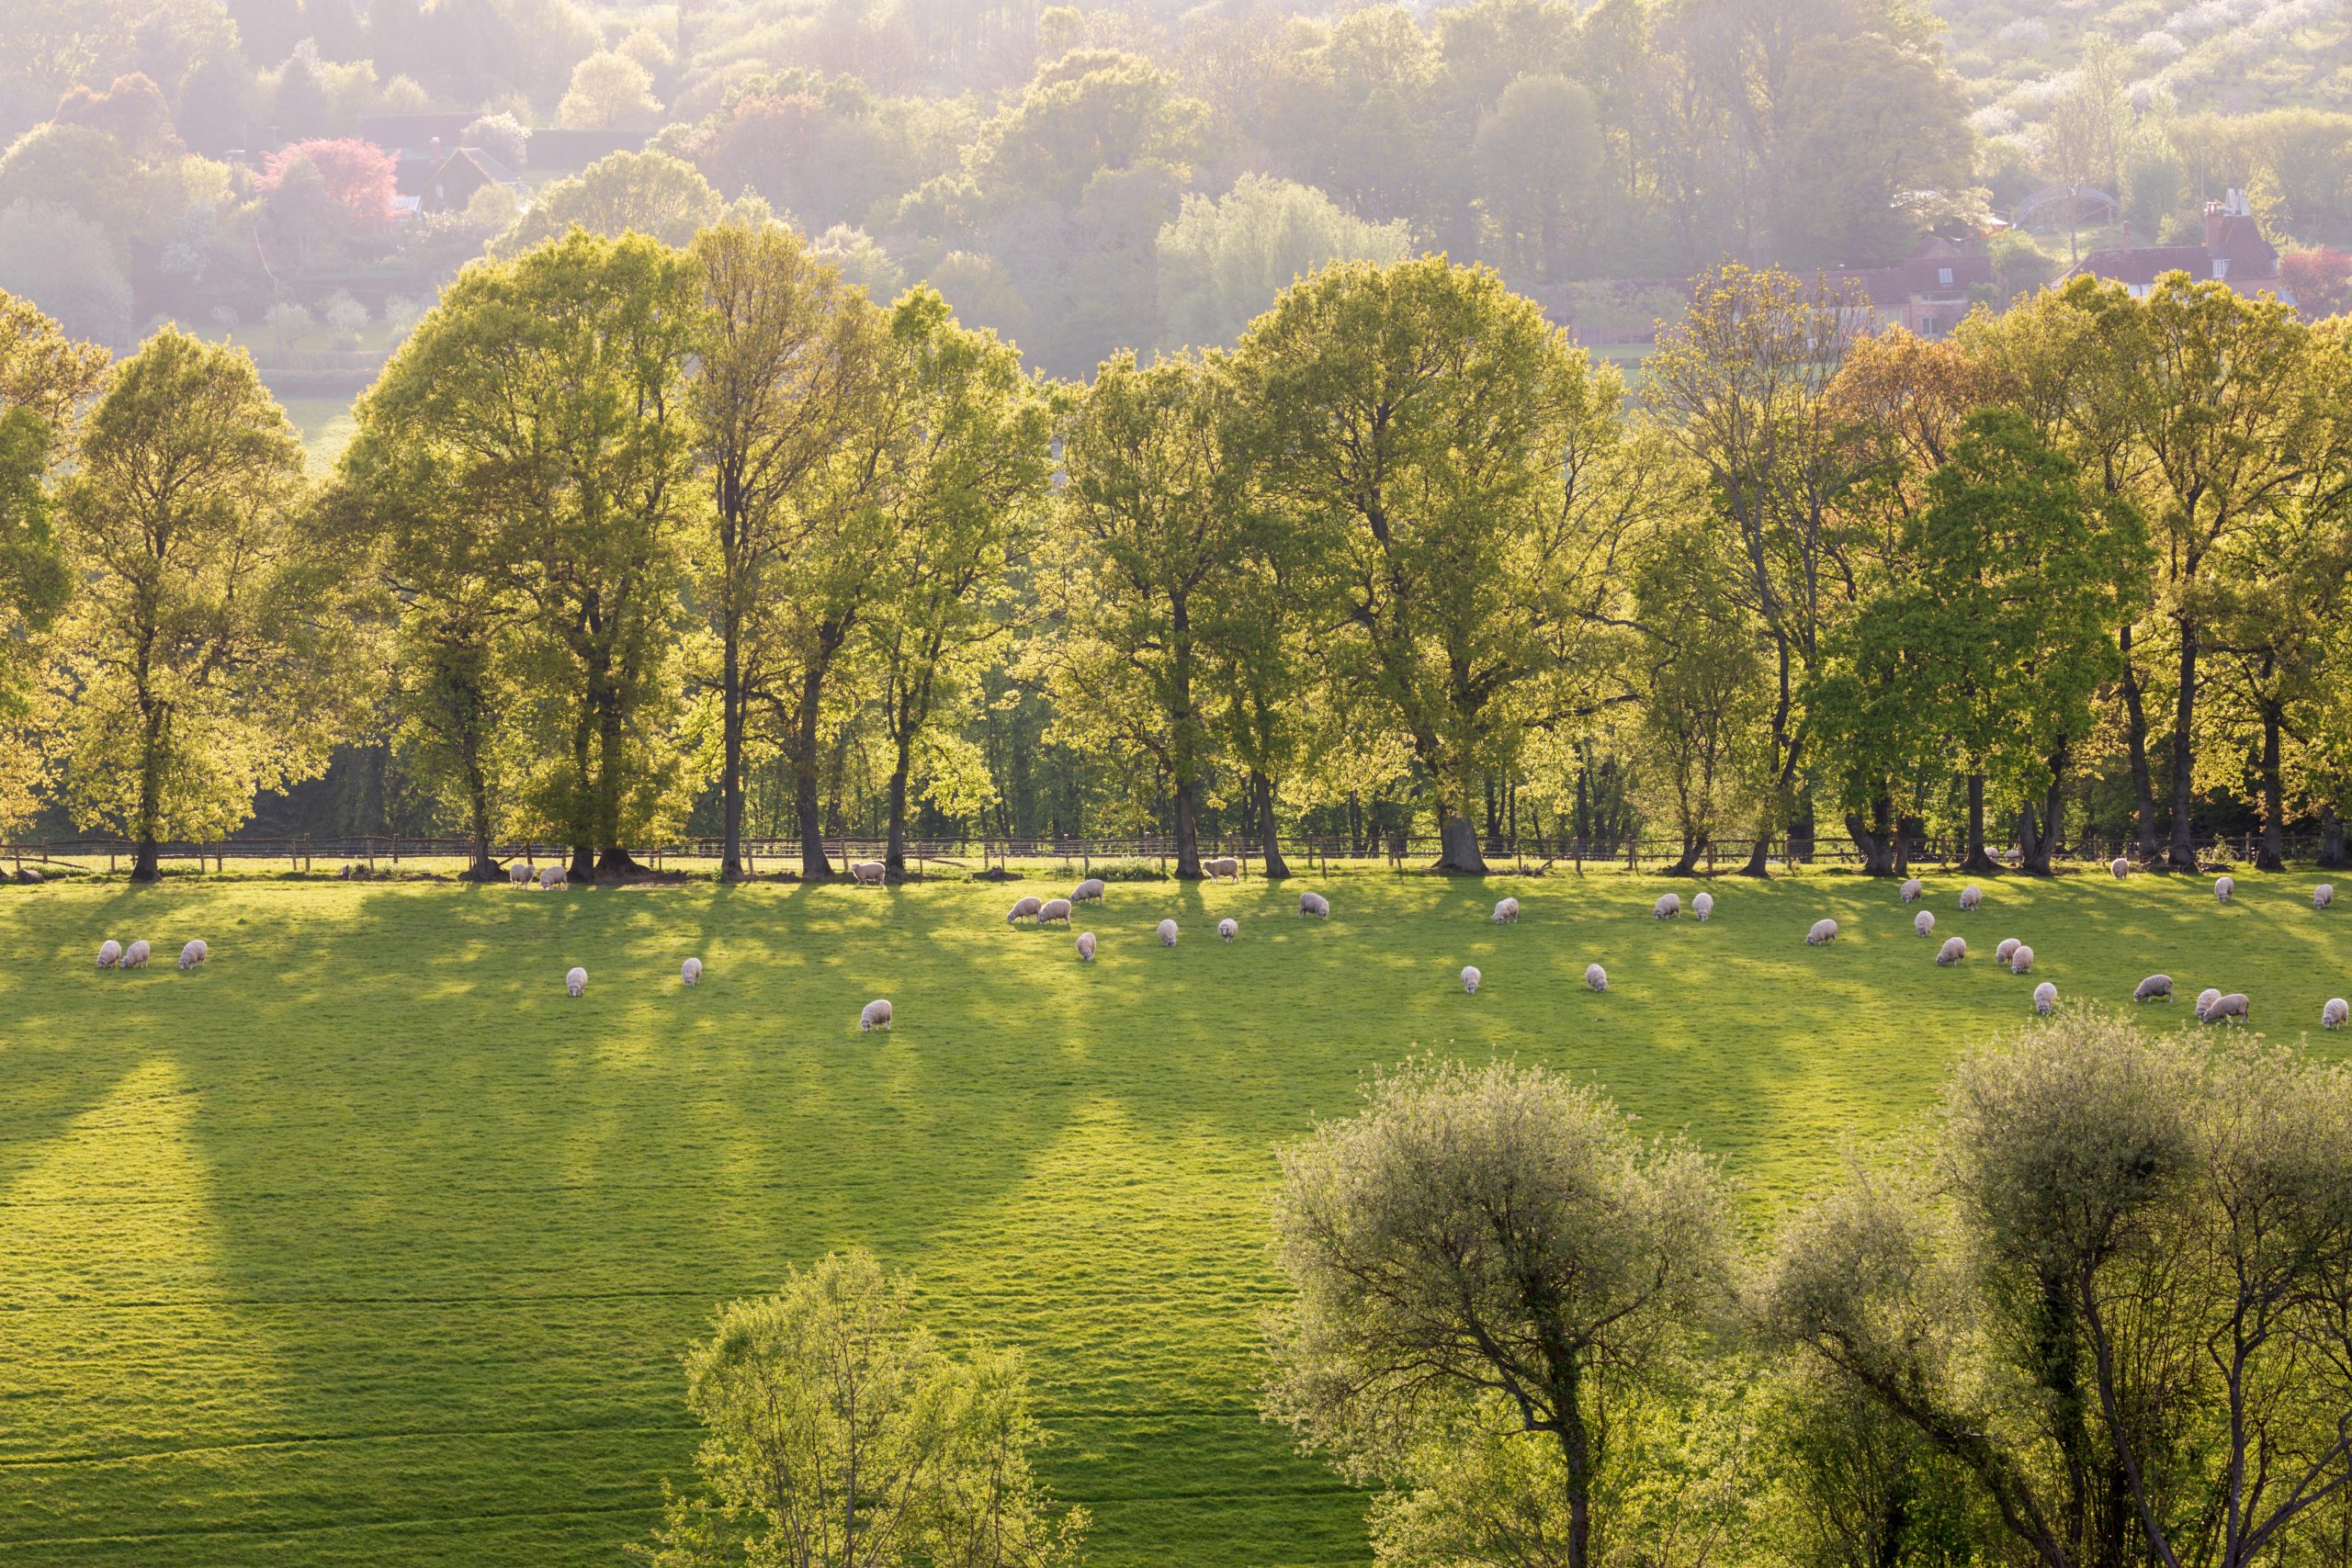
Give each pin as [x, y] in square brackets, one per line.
[628, 526]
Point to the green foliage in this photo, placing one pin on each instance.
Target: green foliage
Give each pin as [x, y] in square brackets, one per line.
[640, 193]
[1223, 260]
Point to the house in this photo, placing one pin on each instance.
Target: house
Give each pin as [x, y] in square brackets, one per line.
[453, 183]
[1925, 293]
[2233, 251]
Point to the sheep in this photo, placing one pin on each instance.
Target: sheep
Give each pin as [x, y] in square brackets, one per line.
[1703, 906]
[2323, 895]
[2223, 887]
[344, 872]
[690, 972]
[1970, 896]
[874, 1014]
[1086, 947]
[1314, 904]
[1822, 933]
[576, 981]
[1923, 923]
[2045, 998]
[1596, 977]
[2120, 867]
[2155, 989]
[2334, 1013]
[1220, 868]
[28, 877]
[554, 876]
[1507, 912]
[1087, 892]
[2009, 944]
[1227, 928]
[2205, 1001]
[109, 954]
[1470, 978]
[518, 873]
[1166, 933]
[1024, 908]
[193, 953]
[869, 872]
[135, 955]
[2021, 960]
[1668, 907]
[1914, 890]
[2233, 1007]
[1953, 950]
[1055, 910]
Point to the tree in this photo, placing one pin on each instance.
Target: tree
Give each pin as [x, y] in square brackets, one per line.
[1222, 261]
[1871, 126]
[1487, 1259]
[2319, 279]
[1456, 473]
[838, 1431]
[609, 91]
[65, 265]
[360, 176]
[1537, 152]
[642, 193]
[209, 654]
[541, 401]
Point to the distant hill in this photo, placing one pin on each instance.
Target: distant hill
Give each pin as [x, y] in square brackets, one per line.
[2227, 56]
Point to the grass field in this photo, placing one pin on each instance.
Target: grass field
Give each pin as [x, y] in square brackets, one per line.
[364, 1244]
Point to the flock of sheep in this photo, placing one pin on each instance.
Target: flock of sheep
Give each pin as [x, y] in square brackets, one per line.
[113, 955]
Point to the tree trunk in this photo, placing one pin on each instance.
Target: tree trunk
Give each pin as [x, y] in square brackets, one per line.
[2183, 848]
[2136, 734]
[1977, 859]
[1458, 842]
[1876, 839]
[730, 723]
[2331, 840]
[143, 864]
[580, 808]
[1693, 846]
[612, 748]
[895, 856]
[478, 811]
[807, 809]
[1186, 811]
[1494, 819]
[1261, 791]
[2273, 856]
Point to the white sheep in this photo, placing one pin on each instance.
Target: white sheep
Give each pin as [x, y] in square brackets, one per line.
[2234, 1007]
[869, 872]
[109, 954]
[1953, 950]
[1703, 906]
[691, 972]
[517, 874]
[1971, 896]
[2334, 1013]
[2205, 1001]
[552, 876]
[2155, 989]
[193, 953]
[1913, 890]
[1227, 928]
[1314, 904]
[1470, 978]
[576, 981]
[1822, 933]
[2045, 998]
[2009, 944]
[2223, 887]
[874, 1015]
[2323, 895]
[1055, 910]
[1166, 933]
[1222, 867]
[1087, 892]
[1923, 923]
[2120, 867]
[1596, 977]
[2021, 960]
[1507, 912]
[1023, 909]
[1086, 947]
[1669, 906]
[135, 955]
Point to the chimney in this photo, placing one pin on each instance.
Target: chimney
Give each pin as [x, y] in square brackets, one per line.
[436, 149]
[2217, 225]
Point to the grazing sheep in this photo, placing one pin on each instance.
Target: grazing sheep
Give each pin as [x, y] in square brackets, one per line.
[1314, 904]
[2009, 944]
[2021, 960]
[1596, 977]
[193, 953]
[2223, 887]
[553, 876]
[2121, 867]
[517, 874]
[1087, 892]
[1923, 923]
[1024, 908]
[2323, 895]
[2155, 989]
[2234, 1007]
[135, 955]
[1507, 912]
[2205, 1001]
[1055, 910]
[1953, 950]
[1669, 906]
[1227, 928]
[1913, 890]
[2045, 998]
[1703, 906]
[1220, 868]
[874, 1015]
[1971, 896]
[869, 872]
[576, 981]
[1086, 947]
[109, 954]
[1166, 933]
[1823, 933]
[1470, 978]
[344, 872]
[691, 972]
[28, 877]
[2334, 1013]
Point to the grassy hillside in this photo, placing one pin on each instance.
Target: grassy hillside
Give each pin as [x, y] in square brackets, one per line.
[2230, 56]
[364, 1244]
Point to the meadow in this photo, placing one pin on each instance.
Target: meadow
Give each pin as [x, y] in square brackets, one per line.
[363, 1243]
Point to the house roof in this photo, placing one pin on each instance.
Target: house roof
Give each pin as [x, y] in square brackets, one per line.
[1889, 287]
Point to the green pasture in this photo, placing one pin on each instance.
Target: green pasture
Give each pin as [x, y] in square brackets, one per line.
[363, 1244]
